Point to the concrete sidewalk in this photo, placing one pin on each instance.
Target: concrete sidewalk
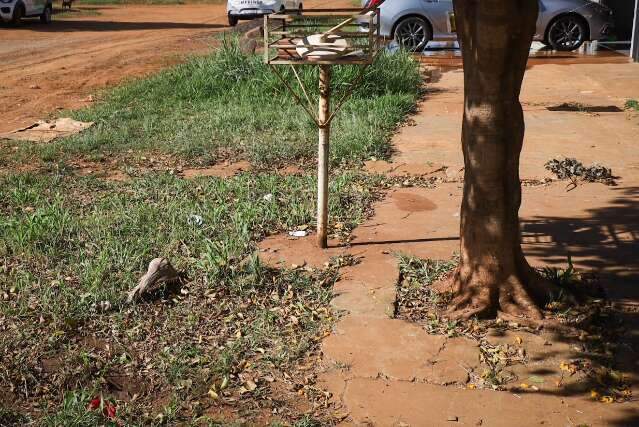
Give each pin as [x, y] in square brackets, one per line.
[593, 134]
[388, 372]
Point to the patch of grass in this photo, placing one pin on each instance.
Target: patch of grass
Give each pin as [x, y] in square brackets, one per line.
[632, 104]
[71, 248]
[102, 234]
[230, 106]
[565, 278]
[10, 417]
[234, 333]
[415, 297]
[73, 412]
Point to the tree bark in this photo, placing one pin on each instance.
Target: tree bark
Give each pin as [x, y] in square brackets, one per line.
[493, 277]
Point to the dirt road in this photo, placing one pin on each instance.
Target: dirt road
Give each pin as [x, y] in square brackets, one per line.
[47, 68]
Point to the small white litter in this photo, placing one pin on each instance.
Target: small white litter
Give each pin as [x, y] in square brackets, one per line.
[298, 233]
[47, 130]
[195, 220]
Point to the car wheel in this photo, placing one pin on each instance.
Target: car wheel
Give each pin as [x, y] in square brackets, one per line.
[300, 10]
[18, 14]
[233, 20]
[45, 18]
[567, 33]
[413, 33]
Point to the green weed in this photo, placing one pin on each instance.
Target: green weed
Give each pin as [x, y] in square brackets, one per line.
[632, 104]
[73, 412]
[72, 246]
[153, 2]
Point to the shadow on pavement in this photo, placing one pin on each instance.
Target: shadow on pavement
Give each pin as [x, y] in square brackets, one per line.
[606, 243]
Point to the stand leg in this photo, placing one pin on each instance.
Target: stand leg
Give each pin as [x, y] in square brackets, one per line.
[322, 159]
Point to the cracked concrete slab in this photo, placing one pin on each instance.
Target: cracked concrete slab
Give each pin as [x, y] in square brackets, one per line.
[388, 372]
[363, 343]
[382, 402]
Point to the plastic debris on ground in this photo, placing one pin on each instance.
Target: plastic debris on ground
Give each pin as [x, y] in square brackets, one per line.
[47, 130]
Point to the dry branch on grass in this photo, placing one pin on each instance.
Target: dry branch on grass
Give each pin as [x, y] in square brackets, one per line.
[160, 272]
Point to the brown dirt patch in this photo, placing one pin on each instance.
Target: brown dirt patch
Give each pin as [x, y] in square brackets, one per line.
[408, 202]
[291, 170]
[61, 66]
[73, 58]
[224, 170]
[106, 174]
[105, 169]
[124, 387]
[403, 169]
[283, 250]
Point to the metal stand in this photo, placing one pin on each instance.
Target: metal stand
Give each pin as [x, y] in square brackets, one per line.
[292, 32]
[323, 154]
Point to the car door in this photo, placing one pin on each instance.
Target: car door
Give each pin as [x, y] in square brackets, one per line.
[28, 7]
[440, 14]
[542, 20]
[35, 7]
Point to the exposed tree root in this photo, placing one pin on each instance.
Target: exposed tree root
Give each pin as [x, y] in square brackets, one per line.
[514, 297]
[547, 324]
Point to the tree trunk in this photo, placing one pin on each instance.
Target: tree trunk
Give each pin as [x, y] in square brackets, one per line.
[493, 276]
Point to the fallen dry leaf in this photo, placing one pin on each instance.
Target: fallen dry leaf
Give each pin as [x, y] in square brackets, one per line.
[339, 416]
[250, 385]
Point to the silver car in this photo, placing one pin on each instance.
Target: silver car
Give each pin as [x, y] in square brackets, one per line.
[15, 10]
[251, 9]
[562, 24]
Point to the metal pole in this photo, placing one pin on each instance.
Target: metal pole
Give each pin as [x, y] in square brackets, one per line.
[322, 158]
[634, 47]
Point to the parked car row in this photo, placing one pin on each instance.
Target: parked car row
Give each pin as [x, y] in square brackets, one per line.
[14, 10]
[563, 24]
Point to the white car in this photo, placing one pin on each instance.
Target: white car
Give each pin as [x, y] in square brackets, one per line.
[250, 9]
[14, 10]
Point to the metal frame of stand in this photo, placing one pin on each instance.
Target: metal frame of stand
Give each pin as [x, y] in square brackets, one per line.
[285, 34]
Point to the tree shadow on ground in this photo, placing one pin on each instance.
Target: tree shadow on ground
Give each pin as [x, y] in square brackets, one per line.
[606, 243]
